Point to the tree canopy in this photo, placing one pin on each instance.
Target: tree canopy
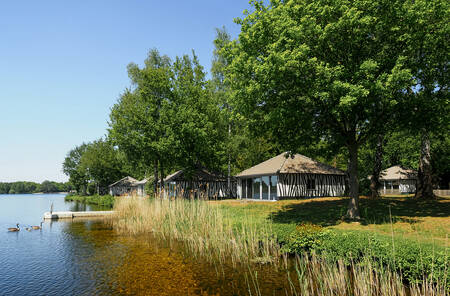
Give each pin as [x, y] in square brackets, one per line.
[361, 85]
[312, 70]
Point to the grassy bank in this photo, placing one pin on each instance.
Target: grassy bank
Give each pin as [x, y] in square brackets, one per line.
[201, 226]
[405, 217]
[409, 235]
[100, 200]
[398, 240]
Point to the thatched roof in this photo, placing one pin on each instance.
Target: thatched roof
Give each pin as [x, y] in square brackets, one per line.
[200, 174]
[142, 182]
[295, 164]
[127, 181]
[397, 172]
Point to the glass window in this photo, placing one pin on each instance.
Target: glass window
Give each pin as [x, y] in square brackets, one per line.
[256, 188]
[273, 187]
[265, 187]
[248, 185]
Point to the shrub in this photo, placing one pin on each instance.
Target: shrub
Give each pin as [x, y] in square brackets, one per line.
[305, 237]
[414, 260]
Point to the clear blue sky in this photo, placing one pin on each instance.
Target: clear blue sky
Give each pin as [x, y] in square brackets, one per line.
[63, 65]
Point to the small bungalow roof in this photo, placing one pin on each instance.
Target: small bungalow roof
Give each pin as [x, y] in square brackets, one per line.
[200, 174]
[127, 181]
[295, 164]
[397, 172]
[142, 182]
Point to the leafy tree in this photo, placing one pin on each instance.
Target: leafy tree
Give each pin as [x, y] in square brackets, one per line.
[48, 186]
[135, 121]
[196, 118]
[169, 120]
[426, 32]
[4, 188]
[71, 167]
[221, 90]
[319, 70]
[102, 163]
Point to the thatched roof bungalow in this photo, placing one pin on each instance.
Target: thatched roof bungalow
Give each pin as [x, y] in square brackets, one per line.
[199, 183]
[398, 180]
[128, 186]
[290, 176]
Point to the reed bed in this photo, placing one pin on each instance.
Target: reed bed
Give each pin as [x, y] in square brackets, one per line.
[314, 276]
[202, 227]
[207, 231]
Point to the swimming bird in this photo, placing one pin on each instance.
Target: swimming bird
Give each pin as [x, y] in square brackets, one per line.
[37, 227]
[12, 229]
[27, 229]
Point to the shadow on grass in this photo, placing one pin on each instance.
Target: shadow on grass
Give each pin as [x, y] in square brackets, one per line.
[331, 212]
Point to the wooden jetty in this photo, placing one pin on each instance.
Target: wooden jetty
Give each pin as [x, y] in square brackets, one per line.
[71, 215]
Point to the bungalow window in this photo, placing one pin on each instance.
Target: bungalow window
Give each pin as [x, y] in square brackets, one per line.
[265, 185]
[247, 188]
[257, 188]
[273, 187]
[310, 184]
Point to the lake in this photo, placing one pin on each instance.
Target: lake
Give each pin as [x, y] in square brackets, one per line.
[86, 257]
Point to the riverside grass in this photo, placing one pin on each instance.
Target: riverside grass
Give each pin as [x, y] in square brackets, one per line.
[212, 233]
[315, 276]
[202, 227]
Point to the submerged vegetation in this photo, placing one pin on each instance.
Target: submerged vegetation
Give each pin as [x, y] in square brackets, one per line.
[204, 229]
[369, 91]
[328, 261]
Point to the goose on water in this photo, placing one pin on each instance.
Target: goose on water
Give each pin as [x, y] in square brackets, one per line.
[12, 229]
[37, 227]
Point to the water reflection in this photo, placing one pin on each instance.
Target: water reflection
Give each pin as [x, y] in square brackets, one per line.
[87, 257]
[148, 266]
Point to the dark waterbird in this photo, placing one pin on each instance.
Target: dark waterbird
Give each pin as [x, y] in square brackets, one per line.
[12, 229]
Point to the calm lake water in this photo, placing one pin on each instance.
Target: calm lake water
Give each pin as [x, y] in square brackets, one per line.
[86, 257]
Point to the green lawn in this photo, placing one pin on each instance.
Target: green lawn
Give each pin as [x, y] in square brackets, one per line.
[422, 221]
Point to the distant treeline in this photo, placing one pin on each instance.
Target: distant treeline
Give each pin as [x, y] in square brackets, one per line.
[33, 187]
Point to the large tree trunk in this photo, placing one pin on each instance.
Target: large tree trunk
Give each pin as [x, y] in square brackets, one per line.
[353, 205]
[375, 178]
[155, 175]
[424, 188]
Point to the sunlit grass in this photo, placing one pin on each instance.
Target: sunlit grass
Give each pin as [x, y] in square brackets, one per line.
[204, 229]
[423, 221]
[241, 232]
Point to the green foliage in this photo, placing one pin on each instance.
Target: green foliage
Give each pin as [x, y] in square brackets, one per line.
[413, 259]
[137, 123]
[93, 166]
[71, 167]
[304, 71]
[168, 119]
[102, 163]
[32, 187]
[100, 200]
[306, 237]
